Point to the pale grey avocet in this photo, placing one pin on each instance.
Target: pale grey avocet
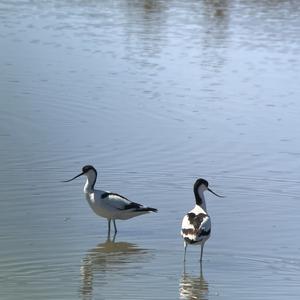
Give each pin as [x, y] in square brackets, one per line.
[109, 205]
[196, 225]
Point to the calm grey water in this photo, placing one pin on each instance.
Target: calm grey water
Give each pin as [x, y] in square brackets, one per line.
[154, 94]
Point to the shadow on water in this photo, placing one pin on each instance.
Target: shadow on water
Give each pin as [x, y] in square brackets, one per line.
[193, 287]
[105, 259]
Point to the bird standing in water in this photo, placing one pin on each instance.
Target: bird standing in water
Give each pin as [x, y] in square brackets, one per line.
[109, 205]
[196, 225]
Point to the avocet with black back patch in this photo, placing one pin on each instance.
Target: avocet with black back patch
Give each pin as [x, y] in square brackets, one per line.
[111, 206]
[196, 225]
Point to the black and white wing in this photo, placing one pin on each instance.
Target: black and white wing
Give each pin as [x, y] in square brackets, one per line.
[123, 204]
[195, 227]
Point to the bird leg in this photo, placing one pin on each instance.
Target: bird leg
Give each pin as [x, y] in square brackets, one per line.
[115, 226]
[202, 246]
[201, 271]
[185, 245]
[108, 232]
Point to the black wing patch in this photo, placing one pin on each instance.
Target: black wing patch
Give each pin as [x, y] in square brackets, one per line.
[106, 194]
[196, 220]
[138, 207]
[132, 205]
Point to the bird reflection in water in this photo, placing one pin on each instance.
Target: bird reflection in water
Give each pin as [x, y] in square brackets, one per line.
[193, 287]
[107, 258]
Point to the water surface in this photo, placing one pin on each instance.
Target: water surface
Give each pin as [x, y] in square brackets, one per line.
[154, 94]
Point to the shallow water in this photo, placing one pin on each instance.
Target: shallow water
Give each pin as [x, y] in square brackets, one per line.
[154, 94]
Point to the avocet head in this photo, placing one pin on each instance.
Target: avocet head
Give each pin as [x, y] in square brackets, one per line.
[87, 170]
[202, 185]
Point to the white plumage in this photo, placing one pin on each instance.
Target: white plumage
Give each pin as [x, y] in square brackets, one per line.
[196, 224]
[111, 206]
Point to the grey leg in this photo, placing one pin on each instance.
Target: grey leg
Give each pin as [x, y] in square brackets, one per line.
[108, 233]
[115, 226]
[202, 246]
[185, 245]
[114, 237]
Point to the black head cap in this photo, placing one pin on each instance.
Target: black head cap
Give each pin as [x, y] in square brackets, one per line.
[202, 181]
[199, 182]
[87, 168]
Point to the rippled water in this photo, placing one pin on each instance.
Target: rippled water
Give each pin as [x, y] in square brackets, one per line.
[154, 94]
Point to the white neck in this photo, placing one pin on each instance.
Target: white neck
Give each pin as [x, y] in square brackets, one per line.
[90, 182]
